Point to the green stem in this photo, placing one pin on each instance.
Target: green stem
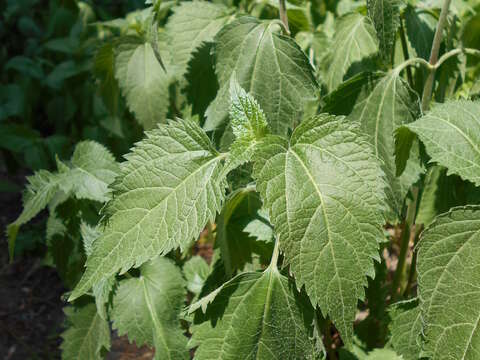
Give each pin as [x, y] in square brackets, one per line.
[332, 355]
[437, 40]
[276, 251]
[413, 266]
[406, 56]
[282, 8]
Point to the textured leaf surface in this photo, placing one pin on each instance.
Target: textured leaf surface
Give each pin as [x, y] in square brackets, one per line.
[255, 316]
[143, 81]
[354, 40]
[390, 104]
[406, 328]
[269, 66]
[448, 277]
[325, 192]
[147, 309]
[385, 15]
[196, 271]
[451, 134]
[169, 188]
[86, 334]
[191, 24]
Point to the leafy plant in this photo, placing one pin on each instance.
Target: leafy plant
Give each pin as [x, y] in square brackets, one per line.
[306, 174]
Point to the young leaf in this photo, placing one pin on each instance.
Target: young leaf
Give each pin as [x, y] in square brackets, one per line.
[86, 335]
[406, 328]
[142, 80]
[261, 58]
[354, 41]
[325, 194]
[191, 24]
[147, 309]
[385, 15]
[451, 134]
[255, 315]
[196, 271]
[390, 104]
[169, 188]
[448, 277]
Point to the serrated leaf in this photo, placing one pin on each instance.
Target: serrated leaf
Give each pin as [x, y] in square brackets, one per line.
[196, 271]
[385, 15]
[255, 315]
[170, 186]
[192, 24]
[261, 57]
[260, 227]
[143, 81]
[86, 335]
[354, 41]
[147, 309]
[324, 191]
[448, 276]
[451, 134]
[406, 328]
[391, 104]
[248, 124]
[420, 31]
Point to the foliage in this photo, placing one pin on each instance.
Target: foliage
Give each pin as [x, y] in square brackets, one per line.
[290, 149]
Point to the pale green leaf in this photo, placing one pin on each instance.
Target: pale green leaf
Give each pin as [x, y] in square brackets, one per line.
[269, 66]
[143, 81]
[354, 41]
[448, 276]
[420, 27]
[255, 316]
[169, 188]
[147, 309]
[391, 104]
[89, 235]
[406, 328]
[325, 194]
[191, 24]
[86, 335]
[196, 271]
[451, 134]
[385, 15]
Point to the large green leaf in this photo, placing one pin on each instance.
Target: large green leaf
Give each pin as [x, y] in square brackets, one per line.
[451, 134]
[143, 81]
[325, 194]
[147, 309]
[420, 28]
[406, 328]
[87, 334]
[385, 15]
[269, 66]
[448, 277]
[170, 186]
[255, 316]
[354, 41]
[191, 24]
[391, 104]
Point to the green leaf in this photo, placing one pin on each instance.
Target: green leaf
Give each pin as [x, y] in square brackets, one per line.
[406, 328]
[451, 134]
[385, 15]
[235, 245]
[448, 276]
[325, 194]
[354, 41]
[196, 271]
[269, 66]
[260, 227]
[255, 315]
[143, 81]
[169, 188]
[147, 309]
[192, 24]
[391, 104]
[87, 334]
[248, 123]
[420, 31]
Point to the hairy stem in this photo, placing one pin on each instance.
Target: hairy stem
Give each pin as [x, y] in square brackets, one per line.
[437, 40]
[282, 8]
[276, 251]
[403, 40]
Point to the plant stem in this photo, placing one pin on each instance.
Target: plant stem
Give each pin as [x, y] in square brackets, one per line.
[405, 240]
[276, 250]
[332, 355]
[413, 266]
[437, 40]
[403, 40]
[282, 8]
